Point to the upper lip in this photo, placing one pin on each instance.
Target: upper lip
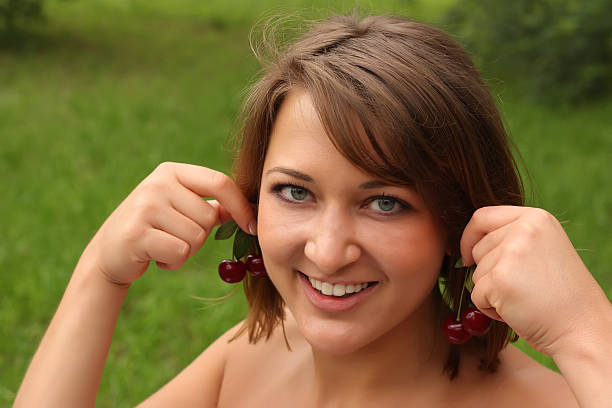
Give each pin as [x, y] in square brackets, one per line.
[343, 282]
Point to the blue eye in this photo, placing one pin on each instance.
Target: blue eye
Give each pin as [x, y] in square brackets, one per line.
[292, 193]
[298, 193]
[386, 205]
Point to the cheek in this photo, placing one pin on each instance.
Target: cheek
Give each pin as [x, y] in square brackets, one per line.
[416, 251]
[278, 233]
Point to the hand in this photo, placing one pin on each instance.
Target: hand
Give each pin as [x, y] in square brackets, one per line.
[529, 275]
[165, 219]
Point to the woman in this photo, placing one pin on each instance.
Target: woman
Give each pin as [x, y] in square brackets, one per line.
[375, 159]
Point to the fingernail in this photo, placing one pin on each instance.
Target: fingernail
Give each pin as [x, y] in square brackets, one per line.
[252, 228]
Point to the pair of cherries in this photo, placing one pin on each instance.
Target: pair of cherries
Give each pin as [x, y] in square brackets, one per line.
[471, 322]
[232, 271]
[245, 251]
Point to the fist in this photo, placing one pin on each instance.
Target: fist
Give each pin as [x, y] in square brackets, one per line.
[529, 275]
[166, 220]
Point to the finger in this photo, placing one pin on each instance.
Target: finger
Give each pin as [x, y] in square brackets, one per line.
[486, 264]
[182, 227]
[210, 183]
[194, 207]
[162, 247]
[483, 221]
[489, 242]
[481, 298]
[222, 214]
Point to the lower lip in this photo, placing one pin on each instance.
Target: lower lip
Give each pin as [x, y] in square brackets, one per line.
[334, 304]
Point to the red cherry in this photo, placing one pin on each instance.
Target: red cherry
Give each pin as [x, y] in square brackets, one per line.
[454, 331]
[232, 271]
[475, 322]
[255, 265]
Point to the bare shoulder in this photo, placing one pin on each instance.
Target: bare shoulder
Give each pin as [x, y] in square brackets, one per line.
[256, 374]
[200, 382]
[526, 382]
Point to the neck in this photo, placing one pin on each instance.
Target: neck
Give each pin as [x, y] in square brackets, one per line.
[409, 357]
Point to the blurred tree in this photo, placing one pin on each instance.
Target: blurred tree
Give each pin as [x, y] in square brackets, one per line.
[562, 47]
[15, 12]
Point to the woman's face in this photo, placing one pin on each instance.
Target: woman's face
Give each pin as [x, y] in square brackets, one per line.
[327, 229]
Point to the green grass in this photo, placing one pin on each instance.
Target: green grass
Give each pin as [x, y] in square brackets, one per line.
[106, 90]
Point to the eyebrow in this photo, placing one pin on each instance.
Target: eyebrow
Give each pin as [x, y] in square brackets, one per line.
[292, 173]
[305, 177]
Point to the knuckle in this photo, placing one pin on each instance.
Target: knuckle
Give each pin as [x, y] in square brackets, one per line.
[181, 253]
[152, 186]
[540, 216]
[480, 215]
[477, 252]
[501, 279]
[165, 167]
[143, 204]
[515, 248]
[199, 235]
[479, 293]
[132, 231]
[219, 180]
[209, 219]
[497, 276]
[528, 230]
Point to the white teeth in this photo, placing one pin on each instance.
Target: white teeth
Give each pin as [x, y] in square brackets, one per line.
[338, 289]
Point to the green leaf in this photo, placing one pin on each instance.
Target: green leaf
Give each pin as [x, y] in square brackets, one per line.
[446, 297]
[469, 283]
[459, 264]
[243, 243]
[226, 230]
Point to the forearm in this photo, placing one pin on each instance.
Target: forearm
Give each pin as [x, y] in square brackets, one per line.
[587, 365]
[69, 362]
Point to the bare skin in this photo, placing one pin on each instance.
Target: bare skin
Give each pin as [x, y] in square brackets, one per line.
[386, 352]
[285, 379]
[269, 375]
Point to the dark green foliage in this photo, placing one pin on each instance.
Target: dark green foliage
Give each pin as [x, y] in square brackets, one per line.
[15, 12]
[226, 230]
[563, 48]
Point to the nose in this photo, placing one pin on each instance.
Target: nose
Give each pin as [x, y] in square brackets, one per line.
[332, 244]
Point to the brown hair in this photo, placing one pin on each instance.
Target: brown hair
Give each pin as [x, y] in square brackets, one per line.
[426, 119]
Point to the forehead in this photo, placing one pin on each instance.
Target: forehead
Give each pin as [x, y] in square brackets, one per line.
[299, 140]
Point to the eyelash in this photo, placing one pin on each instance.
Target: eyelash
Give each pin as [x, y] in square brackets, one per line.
[277, 189]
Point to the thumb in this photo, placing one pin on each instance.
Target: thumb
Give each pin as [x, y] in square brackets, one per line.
[225, 216]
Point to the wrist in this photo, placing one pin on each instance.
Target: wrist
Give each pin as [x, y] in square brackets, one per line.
[89, 269]
[585, 360]
[588, 337]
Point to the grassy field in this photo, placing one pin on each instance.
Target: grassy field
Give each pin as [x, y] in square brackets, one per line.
[106, 90]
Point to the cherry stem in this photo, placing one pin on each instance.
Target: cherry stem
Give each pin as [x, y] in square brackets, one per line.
[460, 301]
[463, 289]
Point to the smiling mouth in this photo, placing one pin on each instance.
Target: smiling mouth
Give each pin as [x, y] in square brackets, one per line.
[337, 289]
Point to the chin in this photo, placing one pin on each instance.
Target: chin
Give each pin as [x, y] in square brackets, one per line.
[336, 338]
